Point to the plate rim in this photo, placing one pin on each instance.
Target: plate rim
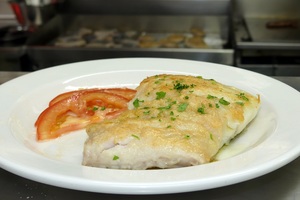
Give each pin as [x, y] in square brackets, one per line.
[142, 189]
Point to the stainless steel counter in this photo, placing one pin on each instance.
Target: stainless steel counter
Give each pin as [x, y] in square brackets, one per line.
[282, 184]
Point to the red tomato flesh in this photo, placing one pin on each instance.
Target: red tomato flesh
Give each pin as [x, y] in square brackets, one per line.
[124, 92]
[76, 109]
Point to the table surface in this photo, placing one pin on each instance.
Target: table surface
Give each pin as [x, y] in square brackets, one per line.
[282, 184]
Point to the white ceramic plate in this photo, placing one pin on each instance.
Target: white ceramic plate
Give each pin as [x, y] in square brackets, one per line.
[271, 141]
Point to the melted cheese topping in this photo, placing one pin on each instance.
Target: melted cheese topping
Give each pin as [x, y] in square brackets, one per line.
[173, 121]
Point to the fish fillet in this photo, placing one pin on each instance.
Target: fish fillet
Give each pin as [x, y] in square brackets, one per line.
[173, 121]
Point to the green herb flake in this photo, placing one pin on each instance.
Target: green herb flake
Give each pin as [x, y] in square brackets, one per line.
[136, 103]
[240, 103]
[210, 105]
[103, 108]
[116, 157]
[165, 107]
[172, 113]
[168, 106]
[182, 107]
[159, 80]
[211, 136]
[211, 97]
[95, 108]
[242, 96]
[147, 112]
[135, 136]
[223, 102]
[160, 95]
[217, 105]
[201, 110]
[200, 77]
[179, 86]
[173, 118]
[186, 97]
[169, 126]
[187, 137]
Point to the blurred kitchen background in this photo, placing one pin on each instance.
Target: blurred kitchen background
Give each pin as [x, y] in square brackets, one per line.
[262, 36]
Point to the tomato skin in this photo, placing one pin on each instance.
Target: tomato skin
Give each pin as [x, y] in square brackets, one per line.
[79, 105]
[124, 92]
[48, 119]
[82, 105]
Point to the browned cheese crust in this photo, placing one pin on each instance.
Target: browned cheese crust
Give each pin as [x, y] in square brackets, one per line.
[173, 121]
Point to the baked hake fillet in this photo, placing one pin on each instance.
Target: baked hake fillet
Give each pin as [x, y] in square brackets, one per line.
[173, 121]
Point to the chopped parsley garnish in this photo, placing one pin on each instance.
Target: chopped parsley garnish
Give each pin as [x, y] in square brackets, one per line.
[116, 157]
[103, 108]
[201, 110]
[211, 97]
[187, 136]
[135, 136]
[136, 103]
[171, 113]
[95, 108]
[159, 80]
[168, 106]
[210, 105]
[165, 107]
[169, 126]
[182, 107]
[160, 95]
[173, 118]
[186, 97]
[179, 86]
[242, 96]
[200, 77]
[240, 103]
[217, 105]
[223, 102]
[147, 112]
[211, 137]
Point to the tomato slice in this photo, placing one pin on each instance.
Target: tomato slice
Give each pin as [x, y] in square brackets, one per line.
[86, 102]
[124, 92]
[50, 119]
[76, 110]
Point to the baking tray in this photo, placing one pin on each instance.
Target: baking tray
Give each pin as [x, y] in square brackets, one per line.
[44, 53]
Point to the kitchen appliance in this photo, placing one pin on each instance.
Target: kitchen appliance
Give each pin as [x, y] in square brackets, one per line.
[267, 39]
[41, 11]
[274, 52]
[81, 24]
